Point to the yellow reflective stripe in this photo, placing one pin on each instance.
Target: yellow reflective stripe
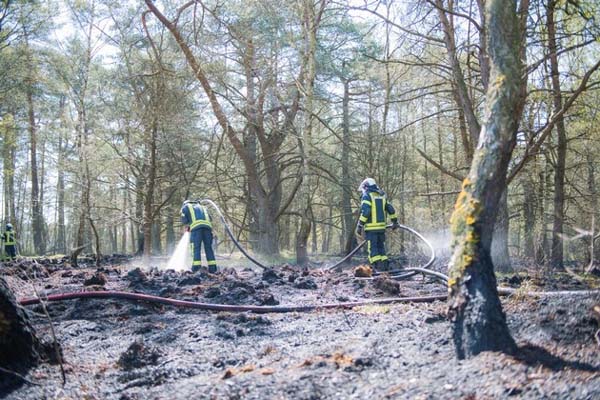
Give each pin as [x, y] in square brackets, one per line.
[374, 259]
[377, 226]
[10, 238]
[383, 258]
[198, 222]
[365, 202]
[362, 219]
[372, 225]
[194, 263]
[393, 216]
[213, 262]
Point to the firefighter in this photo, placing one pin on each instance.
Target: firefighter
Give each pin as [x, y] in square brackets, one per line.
[10, 245]
[198, 222]
[373, 216]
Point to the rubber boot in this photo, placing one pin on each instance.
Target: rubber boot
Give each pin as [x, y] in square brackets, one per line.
[195, 268]
[375, 266]
[212, 269]
[385, 265]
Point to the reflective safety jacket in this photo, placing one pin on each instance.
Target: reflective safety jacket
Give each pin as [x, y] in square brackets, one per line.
[196, 216]
[375, 209]
[8, 238]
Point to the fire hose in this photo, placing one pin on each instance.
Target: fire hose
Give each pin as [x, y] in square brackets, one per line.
[403, 273]
[230, 234]
[395, 274]
[226, 307]
[273, 309]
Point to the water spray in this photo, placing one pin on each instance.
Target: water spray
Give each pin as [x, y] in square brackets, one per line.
[181, 260]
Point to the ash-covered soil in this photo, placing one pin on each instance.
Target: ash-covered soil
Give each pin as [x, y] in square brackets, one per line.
[116, 349]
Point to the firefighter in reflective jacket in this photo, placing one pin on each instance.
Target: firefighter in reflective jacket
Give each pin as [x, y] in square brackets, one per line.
[10, 245]
[198, 222]
[374, 211]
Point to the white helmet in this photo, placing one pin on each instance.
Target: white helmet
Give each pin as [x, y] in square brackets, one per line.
[366, 183]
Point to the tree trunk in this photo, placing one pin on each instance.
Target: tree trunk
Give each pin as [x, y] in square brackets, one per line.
[500, 255]
[460, 90]
[311, 16]
[544, 248]
[61, 237]
[479, 323]
[139, 216]
[529, 208]
[427, 186]
[150, 184]
[170, 229]
[348, 223]
[556, 258]
[9, 148]
[37, 222]
[593, 193]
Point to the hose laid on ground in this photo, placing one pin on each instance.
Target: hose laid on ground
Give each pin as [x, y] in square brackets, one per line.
[226, 307]
[354, 251]
[392, 273]
[347, 257]
[401, 274]
[424, 268]
[237, 244]
[275, 309]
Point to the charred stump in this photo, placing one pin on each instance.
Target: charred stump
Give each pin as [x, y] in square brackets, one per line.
[18, 342]
[75, 254]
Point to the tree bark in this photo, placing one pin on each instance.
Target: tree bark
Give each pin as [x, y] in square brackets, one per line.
[556, 258]
[347, 219]
[529, 209]
[61, 237]
[9, 148]
[479, 323]
[311, 15]
[593, 193]
[37, 218]
[500, 254]
[150, 180]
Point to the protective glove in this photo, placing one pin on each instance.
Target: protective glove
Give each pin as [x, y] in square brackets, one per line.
[395, 225]
[359, 229]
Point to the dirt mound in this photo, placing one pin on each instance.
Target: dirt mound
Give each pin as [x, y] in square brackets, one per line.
[138, 355]
[99, 278]
[387, 285]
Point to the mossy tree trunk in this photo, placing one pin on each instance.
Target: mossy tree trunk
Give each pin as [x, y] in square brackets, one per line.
[474, 305]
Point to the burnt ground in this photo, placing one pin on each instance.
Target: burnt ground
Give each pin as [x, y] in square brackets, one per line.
[124, 350]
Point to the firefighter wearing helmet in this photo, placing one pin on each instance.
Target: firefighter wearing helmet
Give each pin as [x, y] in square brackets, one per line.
[198, 222]
[9, 243]
[374, 211]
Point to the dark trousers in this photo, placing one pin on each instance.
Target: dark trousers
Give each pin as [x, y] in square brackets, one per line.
[10, 251]
[376, 246]
[198, 237]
